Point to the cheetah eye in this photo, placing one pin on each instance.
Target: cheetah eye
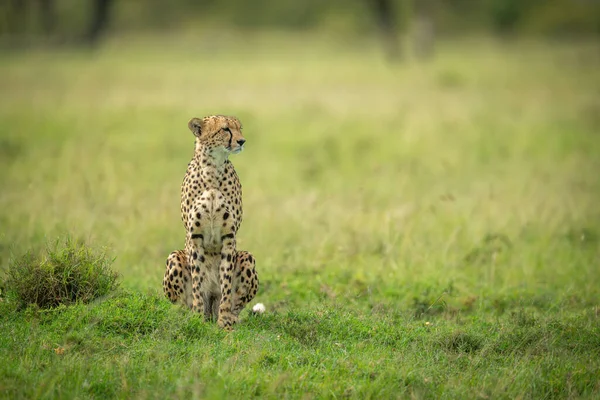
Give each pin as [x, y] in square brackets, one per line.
[227, 130]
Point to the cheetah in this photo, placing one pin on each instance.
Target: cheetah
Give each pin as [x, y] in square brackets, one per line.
[211, 275]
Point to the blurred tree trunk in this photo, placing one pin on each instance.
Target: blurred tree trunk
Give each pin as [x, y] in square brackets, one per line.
[385, 15]
[423, 28]
[48, 15]
[17, 16]
[99, 20]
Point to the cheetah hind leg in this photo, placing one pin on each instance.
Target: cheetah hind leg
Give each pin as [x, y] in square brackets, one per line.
[245, 281]
[177, 283]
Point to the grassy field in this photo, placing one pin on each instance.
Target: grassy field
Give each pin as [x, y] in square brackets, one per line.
[422, 230]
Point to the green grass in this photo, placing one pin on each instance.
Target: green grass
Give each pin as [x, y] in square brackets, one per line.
[62, 275]
[421, 230]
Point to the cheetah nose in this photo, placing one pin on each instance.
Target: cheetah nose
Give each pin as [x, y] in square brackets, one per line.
[241, 142]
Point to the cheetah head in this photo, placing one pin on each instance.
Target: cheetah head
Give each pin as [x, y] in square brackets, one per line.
[220, 133]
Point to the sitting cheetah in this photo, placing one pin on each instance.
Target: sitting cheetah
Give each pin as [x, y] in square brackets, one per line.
[210, 275]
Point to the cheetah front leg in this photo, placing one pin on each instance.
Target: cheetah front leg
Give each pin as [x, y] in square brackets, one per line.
[197, 262]
[226, 318]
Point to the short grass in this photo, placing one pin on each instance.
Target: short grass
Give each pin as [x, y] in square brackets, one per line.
[427, 230]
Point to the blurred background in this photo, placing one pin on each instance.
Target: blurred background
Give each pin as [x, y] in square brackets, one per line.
[26, 22]
[396, 149]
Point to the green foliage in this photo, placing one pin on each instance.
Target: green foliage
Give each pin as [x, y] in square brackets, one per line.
[462, 342]
[506, 14]
[318, 351]
[62, 275]
[341, 17]
[421, 230]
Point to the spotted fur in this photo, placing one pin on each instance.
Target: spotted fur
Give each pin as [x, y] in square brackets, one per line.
[211, 276]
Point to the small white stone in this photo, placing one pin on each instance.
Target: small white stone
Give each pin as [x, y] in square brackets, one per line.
[258, 308]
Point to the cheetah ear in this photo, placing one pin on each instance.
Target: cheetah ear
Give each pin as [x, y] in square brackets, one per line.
[195, 126]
